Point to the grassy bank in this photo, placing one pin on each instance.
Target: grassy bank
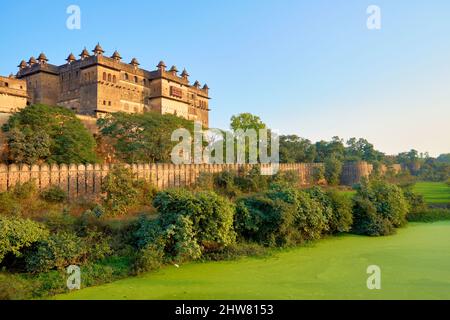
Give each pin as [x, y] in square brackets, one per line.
[435, 193]
[415, 264]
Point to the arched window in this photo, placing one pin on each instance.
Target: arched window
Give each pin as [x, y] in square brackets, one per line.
[109, 77]
[135, 79]
[104, 76]
[114, 79]
[126, 76]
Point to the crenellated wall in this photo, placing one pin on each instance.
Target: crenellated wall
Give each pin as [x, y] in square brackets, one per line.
[86, 180]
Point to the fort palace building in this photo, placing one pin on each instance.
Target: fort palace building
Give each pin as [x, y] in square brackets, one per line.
[95, 85]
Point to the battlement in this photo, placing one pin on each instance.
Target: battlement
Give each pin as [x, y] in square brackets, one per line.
[95, 84]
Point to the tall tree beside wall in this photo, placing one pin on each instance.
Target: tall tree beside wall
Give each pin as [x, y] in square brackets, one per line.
[51, 134]
[142, 137]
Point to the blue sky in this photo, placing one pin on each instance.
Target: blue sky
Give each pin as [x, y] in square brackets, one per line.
[310, 68]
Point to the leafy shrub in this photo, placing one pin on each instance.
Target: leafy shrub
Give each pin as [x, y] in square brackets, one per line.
[97, 212]
[120, 190]
[205, 181]
[379, 208]
[146, 192]
[224, 183]
[318, 174]
[333, 170]
[288, 178]
[342, 218]
[310, 219]
[13, 287]
[66, 248]
[54, 194]
[415, 201]
[212, 215]
[266, 221]
[17, 234]
[336, 207]
[9, 205]
[182, 242]
[26, 190]
[148, 259]
[58, 251]
[429, 215]
[236, 251]
[251, 180]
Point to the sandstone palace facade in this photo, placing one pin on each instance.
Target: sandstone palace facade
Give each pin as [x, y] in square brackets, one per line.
[95, 85]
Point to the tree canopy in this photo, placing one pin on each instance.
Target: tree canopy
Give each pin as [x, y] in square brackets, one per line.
[41, 133]
[142, 137]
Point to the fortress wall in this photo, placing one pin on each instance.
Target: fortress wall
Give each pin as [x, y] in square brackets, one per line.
[353, 172]
[86, 180]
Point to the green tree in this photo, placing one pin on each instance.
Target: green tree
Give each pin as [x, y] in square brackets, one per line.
[294, 149]
[333, 170]
[41, 133]
[326, 149]
[361, 149]
[248, 122]
[142, 137]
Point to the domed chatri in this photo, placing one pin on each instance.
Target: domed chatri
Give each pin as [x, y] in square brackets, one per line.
[174, 70]
[134, 62]
[161, 65]
[42, 58]
[98, 50]
[32, 61]
[22, 64]
[116, 56]
[84, 53]
[71, 58]
[197, 84]
[184, 74]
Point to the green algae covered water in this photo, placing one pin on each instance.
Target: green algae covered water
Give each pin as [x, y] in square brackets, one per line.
[414, 264]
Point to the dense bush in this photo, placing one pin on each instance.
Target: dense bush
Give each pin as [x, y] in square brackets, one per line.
[415, 201]
[333, 170]
[429, 215]
[148, 258]
[64, 248]
[17, 234]
[9, 206]
[266, 221]
[310, 219]
[120, 190]
[14, 287]
[212, 215]
[318, 174]
[337, 208]
[288, 178]
[24, 191]
[54, 194]
[379, 208]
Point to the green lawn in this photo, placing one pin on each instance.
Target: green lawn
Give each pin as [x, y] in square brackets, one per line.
[434, 192]
[415, 264]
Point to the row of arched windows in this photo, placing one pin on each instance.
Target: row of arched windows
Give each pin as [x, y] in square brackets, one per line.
[110, 78]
